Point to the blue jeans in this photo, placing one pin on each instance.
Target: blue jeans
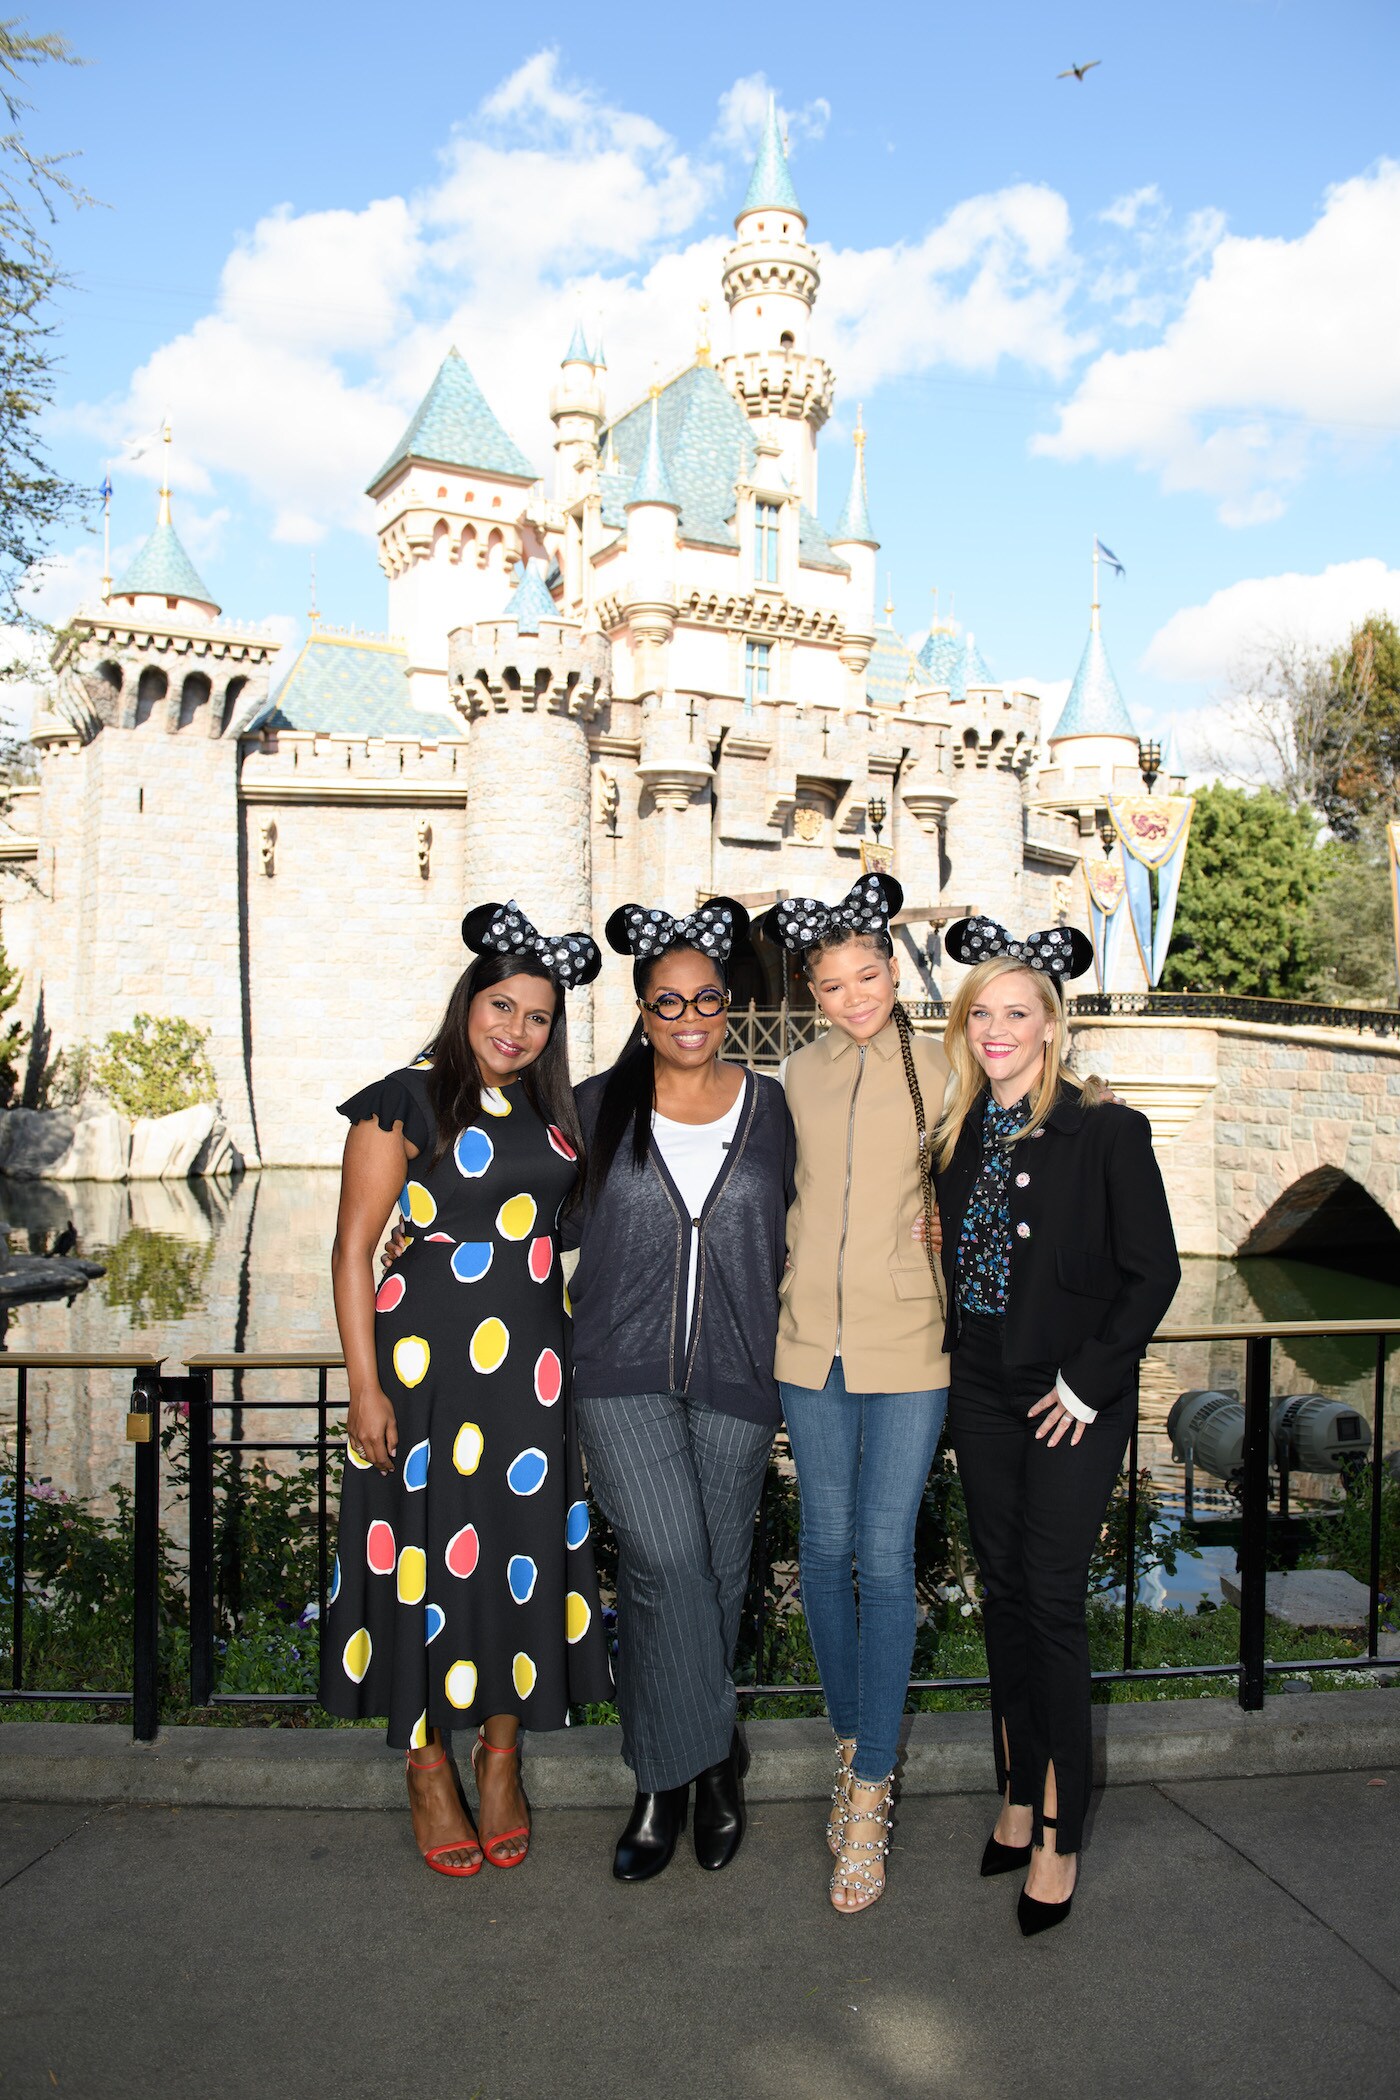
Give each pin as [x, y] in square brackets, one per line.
[862, 1461]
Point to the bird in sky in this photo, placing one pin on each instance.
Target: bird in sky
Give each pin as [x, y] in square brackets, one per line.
[1078, 72]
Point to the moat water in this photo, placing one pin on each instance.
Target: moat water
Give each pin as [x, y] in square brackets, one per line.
[195, 1268]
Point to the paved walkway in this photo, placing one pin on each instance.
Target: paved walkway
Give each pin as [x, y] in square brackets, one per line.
[1233, 1937]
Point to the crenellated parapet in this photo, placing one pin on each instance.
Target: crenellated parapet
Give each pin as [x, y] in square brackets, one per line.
[780, 382]
[492, 668]
[113, 671]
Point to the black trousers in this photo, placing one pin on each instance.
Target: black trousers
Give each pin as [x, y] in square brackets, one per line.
[1034, 1514]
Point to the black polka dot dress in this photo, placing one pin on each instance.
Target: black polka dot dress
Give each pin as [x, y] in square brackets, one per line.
[464, 1581]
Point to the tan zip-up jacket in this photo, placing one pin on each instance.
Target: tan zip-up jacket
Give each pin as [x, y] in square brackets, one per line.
[859, 1283]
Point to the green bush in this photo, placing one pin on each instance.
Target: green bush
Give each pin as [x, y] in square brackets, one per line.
[156, 1066]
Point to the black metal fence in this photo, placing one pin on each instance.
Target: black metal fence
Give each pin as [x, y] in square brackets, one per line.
[763, 1036]
[209, 1404]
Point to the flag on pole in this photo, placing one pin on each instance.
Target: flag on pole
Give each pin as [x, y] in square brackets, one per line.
[1111, 558]
[135, 448]
[106, 490]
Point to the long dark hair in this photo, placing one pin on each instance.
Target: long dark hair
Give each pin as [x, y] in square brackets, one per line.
[454, 1084]
[629, 1095]
[883, 945]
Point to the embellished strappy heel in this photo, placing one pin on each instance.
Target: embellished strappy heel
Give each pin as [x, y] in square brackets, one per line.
[433, 1856]
[840, 1794]
[855, 1862]
[521, 1830]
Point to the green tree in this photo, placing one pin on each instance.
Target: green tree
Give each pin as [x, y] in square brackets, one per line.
[1350, 934]
[12, 1031]
[1252, 869]
[155, 1067]
[34, 499]
[1364, 783]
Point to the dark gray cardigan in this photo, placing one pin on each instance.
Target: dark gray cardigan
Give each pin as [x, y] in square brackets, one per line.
[630, 1288]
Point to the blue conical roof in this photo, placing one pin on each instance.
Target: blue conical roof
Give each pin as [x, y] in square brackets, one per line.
[456, 426]
[577, 352]
[653, 482]
[1095, 706]
[854, 522]
[770, 185]
[954, 661]
[530, 602]
[1173, 767]
[163, 570]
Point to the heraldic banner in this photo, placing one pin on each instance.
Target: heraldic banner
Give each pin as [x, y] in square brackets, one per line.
[1153, 831]
[1104, 881]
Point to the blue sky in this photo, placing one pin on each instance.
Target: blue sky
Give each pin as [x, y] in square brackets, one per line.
[1162, 305]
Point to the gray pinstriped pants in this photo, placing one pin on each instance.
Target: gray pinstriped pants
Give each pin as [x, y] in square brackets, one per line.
[680, 1483]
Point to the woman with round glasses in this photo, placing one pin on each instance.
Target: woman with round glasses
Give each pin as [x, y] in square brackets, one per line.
[681, 1234]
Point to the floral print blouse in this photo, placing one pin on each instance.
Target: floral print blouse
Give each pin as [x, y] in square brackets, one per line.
[984, 1250]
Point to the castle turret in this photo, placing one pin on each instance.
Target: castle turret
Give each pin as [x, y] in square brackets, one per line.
[139, 813]
[529, 681]
[857, 546]
[1093, 748]
[450, 512]
[649, 602]
[576, 409]
[771, 280]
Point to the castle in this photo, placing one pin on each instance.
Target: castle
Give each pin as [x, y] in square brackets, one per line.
[661, 679]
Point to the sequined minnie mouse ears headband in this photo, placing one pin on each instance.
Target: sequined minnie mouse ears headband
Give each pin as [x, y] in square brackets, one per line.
[644, 930]
[503, 929]
[799, 923]
[1060, 952]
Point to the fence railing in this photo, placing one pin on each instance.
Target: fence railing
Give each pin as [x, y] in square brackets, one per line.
[200, 1392]
[764, 1035]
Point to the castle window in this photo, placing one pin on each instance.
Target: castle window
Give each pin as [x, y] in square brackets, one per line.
[767, 518]
[786, 340]
[756, 667]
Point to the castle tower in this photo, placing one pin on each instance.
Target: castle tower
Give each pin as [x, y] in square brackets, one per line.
[450, 504]
[993, 735]
[529, 681]
[770, 279]
[1093, 749]
[857, 545]
[141, 863]
[649, 592]
[577, 410]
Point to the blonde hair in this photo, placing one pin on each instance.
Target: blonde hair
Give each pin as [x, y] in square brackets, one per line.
[970, 1082]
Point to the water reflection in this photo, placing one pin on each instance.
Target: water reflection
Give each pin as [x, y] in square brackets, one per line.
[216, 1266]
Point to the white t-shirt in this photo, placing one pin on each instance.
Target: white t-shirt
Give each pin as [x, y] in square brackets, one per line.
[694, 1154]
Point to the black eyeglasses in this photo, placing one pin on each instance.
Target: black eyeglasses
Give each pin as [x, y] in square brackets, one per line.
[670, 1006]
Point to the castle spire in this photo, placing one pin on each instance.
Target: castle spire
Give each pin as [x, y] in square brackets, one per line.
[578, 351]
[1095, 706]
[653, 482]
[163, 569]
[854, 522]
[770, 185]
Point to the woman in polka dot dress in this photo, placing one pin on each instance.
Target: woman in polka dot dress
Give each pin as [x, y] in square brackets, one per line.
[464, 1592]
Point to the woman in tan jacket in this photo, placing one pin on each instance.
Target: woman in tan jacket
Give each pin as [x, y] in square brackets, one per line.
[860, 1362]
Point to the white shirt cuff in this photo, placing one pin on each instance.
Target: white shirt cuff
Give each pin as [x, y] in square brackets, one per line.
[1072, 1404]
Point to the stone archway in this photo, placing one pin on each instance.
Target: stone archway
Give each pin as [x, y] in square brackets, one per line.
[1326, 1216]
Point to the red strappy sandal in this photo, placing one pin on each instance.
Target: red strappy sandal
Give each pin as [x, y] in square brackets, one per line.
[488, 1846]
[433, 1856]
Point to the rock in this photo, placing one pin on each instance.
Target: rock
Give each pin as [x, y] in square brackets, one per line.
[166, 1148]
[31, 1140]
[1387, 1643]
[218, 1154]
[28, 1278]
[101, 1143]
[1311, 1599]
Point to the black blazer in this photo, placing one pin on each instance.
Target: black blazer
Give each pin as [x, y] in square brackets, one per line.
[1093, 1253]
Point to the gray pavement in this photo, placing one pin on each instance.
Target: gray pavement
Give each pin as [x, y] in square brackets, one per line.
[1232, 1937]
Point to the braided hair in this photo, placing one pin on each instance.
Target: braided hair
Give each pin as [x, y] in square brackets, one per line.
[911, 1080]
[883, 945]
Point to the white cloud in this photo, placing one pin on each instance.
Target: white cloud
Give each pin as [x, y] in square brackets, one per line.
[992, 280]
[743, 108]
[1201, 642]
[1281, 345]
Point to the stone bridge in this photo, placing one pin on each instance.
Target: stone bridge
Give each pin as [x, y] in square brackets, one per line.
[1277, 1126]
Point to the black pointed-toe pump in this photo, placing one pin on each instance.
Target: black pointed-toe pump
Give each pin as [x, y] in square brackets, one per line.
[1032, 1915]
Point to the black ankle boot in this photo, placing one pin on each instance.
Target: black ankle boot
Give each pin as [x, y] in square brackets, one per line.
[719, 1808]
[647, 1843]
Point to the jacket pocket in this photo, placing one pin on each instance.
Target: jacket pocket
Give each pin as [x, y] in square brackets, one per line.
[1092, 1275]
[913, 1283]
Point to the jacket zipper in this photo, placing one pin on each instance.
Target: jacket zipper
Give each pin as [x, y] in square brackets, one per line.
[846, 1198]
